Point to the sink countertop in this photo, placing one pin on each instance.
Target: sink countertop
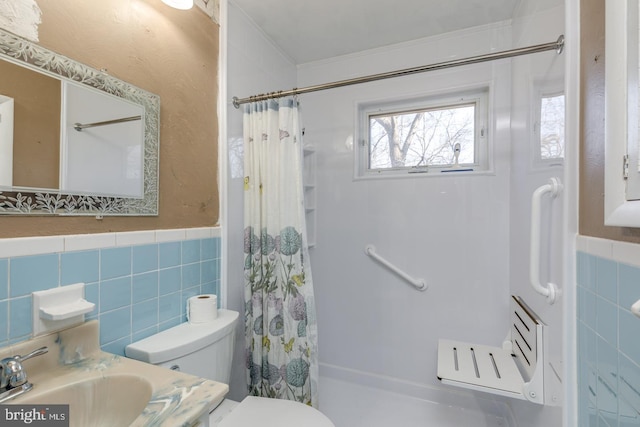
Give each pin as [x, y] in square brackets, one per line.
[74, 355]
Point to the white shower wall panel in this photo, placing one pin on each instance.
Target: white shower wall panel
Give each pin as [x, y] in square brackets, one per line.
[537, 22]
[450, 230]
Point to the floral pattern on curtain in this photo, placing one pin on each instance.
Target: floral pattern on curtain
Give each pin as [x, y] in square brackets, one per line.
[280, 324]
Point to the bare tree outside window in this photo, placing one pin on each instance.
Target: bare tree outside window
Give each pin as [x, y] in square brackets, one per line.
[552, 127]
[422, 138]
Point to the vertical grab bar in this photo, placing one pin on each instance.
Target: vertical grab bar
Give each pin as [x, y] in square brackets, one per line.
[550, 290]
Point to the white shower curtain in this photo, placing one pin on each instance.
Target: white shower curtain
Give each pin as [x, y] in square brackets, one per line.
[280, 324]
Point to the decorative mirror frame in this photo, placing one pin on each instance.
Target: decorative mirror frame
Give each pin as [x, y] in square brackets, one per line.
[25, 53]
[621, 109]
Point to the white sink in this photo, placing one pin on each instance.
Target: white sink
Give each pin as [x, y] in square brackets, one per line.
[107, 390]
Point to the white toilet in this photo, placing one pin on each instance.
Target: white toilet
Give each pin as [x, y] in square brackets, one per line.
[206, 350]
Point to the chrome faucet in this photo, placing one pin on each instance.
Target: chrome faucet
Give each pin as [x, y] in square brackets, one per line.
[13, 377]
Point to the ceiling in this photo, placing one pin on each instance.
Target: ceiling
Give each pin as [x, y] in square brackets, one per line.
[313, 30]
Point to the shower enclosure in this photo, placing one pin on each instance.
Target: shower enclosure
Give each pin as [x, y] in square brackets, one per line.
[466, 234]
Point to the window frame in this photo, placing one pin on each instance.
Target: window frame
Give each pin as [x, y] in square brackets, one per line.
[541, 91]
[479, 96]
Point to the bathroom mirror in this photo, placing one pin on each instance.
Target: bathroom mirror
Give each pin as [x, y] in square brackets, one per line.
[622, 165]
[88, 141]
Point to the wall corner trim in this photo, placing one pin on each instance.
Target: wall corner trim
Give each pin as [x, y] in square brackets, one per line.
[614, 250]
[25, 246]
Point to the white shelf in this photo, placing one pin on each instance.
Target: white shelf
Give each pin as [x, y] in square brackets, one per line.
[67, 311]
[59, 308]
[309, 180]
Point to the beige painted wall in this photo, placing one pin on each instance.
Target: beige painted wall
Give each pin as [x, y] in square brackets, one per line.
[166, 51]
[591, 206]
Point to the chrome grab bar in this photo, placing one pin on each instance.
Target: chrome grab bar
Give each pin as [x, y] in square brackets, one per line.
[550, 290]
[419, 284]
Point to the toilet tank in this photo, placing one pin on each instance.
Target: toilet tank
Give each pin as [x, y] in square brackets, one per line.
[201, 349]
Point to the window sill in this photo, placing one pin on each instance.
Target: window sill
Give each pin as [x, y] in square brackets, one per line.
[439, 173]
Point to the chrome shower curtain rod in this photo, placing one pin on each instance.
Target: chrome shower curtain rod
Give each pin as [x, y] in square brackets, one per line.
[557, 46]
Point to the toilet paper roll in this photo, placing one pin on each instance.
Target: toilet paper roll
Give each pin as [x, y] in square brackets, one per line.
[202, 308]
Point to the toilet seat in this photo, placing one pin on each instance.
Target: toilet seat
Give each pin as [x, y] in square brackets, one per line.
[274, 413]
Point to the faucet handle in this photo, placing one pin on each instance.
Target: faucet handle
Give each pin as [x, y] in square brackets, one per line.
[34, 353]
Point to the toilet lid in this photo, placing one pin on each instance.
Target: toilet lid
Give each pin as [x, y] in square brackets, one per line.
[264, 412]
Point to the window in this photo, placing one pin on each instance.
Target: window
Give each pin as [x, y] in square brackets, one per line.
[549, 129]
[431, 135]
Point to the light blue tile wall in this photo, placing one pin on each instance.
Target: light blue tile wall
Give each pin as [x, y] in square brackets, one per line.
[608, 343]
[138, 290]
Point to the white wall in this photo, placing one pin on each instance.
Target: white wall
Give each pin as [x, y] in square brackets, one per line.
[254, 66]
[452, 231]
